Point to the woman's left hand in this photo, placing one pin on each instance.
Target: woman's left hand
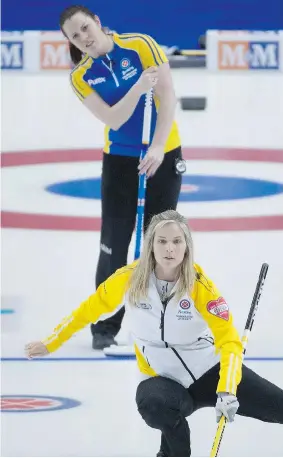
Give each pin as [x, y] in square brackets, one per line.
[151, 161]
[227, 405]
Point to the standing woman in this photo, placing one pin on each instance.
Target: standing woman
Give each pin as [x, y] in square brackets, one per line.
[112, 74]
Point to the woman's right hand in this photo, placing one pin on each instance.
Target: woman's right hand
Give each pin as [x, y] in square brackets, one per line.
[148, 79]
[35, 350]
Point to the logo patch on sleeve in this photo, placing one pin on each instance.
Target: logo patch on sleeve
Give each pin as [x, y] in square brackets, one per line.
[219, 308]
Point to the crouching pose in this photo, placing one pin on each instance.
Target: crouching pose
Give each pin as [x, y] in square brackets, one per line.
[188, 351]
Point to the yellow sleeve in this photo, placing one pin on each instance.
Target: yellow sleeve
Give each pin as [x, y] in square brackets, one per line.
[215, 311]
[77, 78]
[105, 302]
[150, 53]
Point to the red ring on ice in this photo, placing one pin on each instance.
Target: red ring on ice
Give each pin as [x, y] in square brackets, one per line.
[78, 223]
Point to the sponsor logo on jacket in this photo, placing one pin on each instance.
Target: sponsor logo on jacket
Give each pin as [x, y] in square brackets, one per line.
[184, 312]
[128, 71]
[219, 308]
[125, 63]
[96, 81]
[144, 306]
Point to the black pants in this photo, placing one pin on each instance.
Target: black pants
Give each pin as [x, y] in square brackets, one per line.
[119, 206]
[164, 404]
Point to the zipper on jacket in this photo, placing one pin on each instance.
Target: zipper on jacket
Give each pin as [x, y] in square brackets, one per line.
[162, 328]
[184, 364]
[164, 303]
[145, 355]
[208, 339]
[111, 70]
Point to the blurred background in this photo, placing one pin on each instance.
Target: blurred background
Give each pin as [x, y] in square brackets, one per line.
[178, 23]
[227, 61]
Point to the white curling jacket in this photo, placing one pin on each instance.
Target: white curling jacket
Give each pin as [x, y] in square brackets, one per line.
[179, 339]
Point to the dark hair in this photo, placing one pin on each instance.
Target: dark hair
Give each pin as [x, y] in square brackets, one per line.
[69, 12]
[75, 53]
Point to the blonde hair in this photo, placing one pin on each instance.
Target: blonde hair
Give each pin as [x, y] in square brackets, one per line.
[139, 280]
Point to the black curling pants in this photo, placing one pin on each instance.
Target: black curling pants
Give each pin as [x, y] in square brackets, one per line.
[119, 190]
[164, 404]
